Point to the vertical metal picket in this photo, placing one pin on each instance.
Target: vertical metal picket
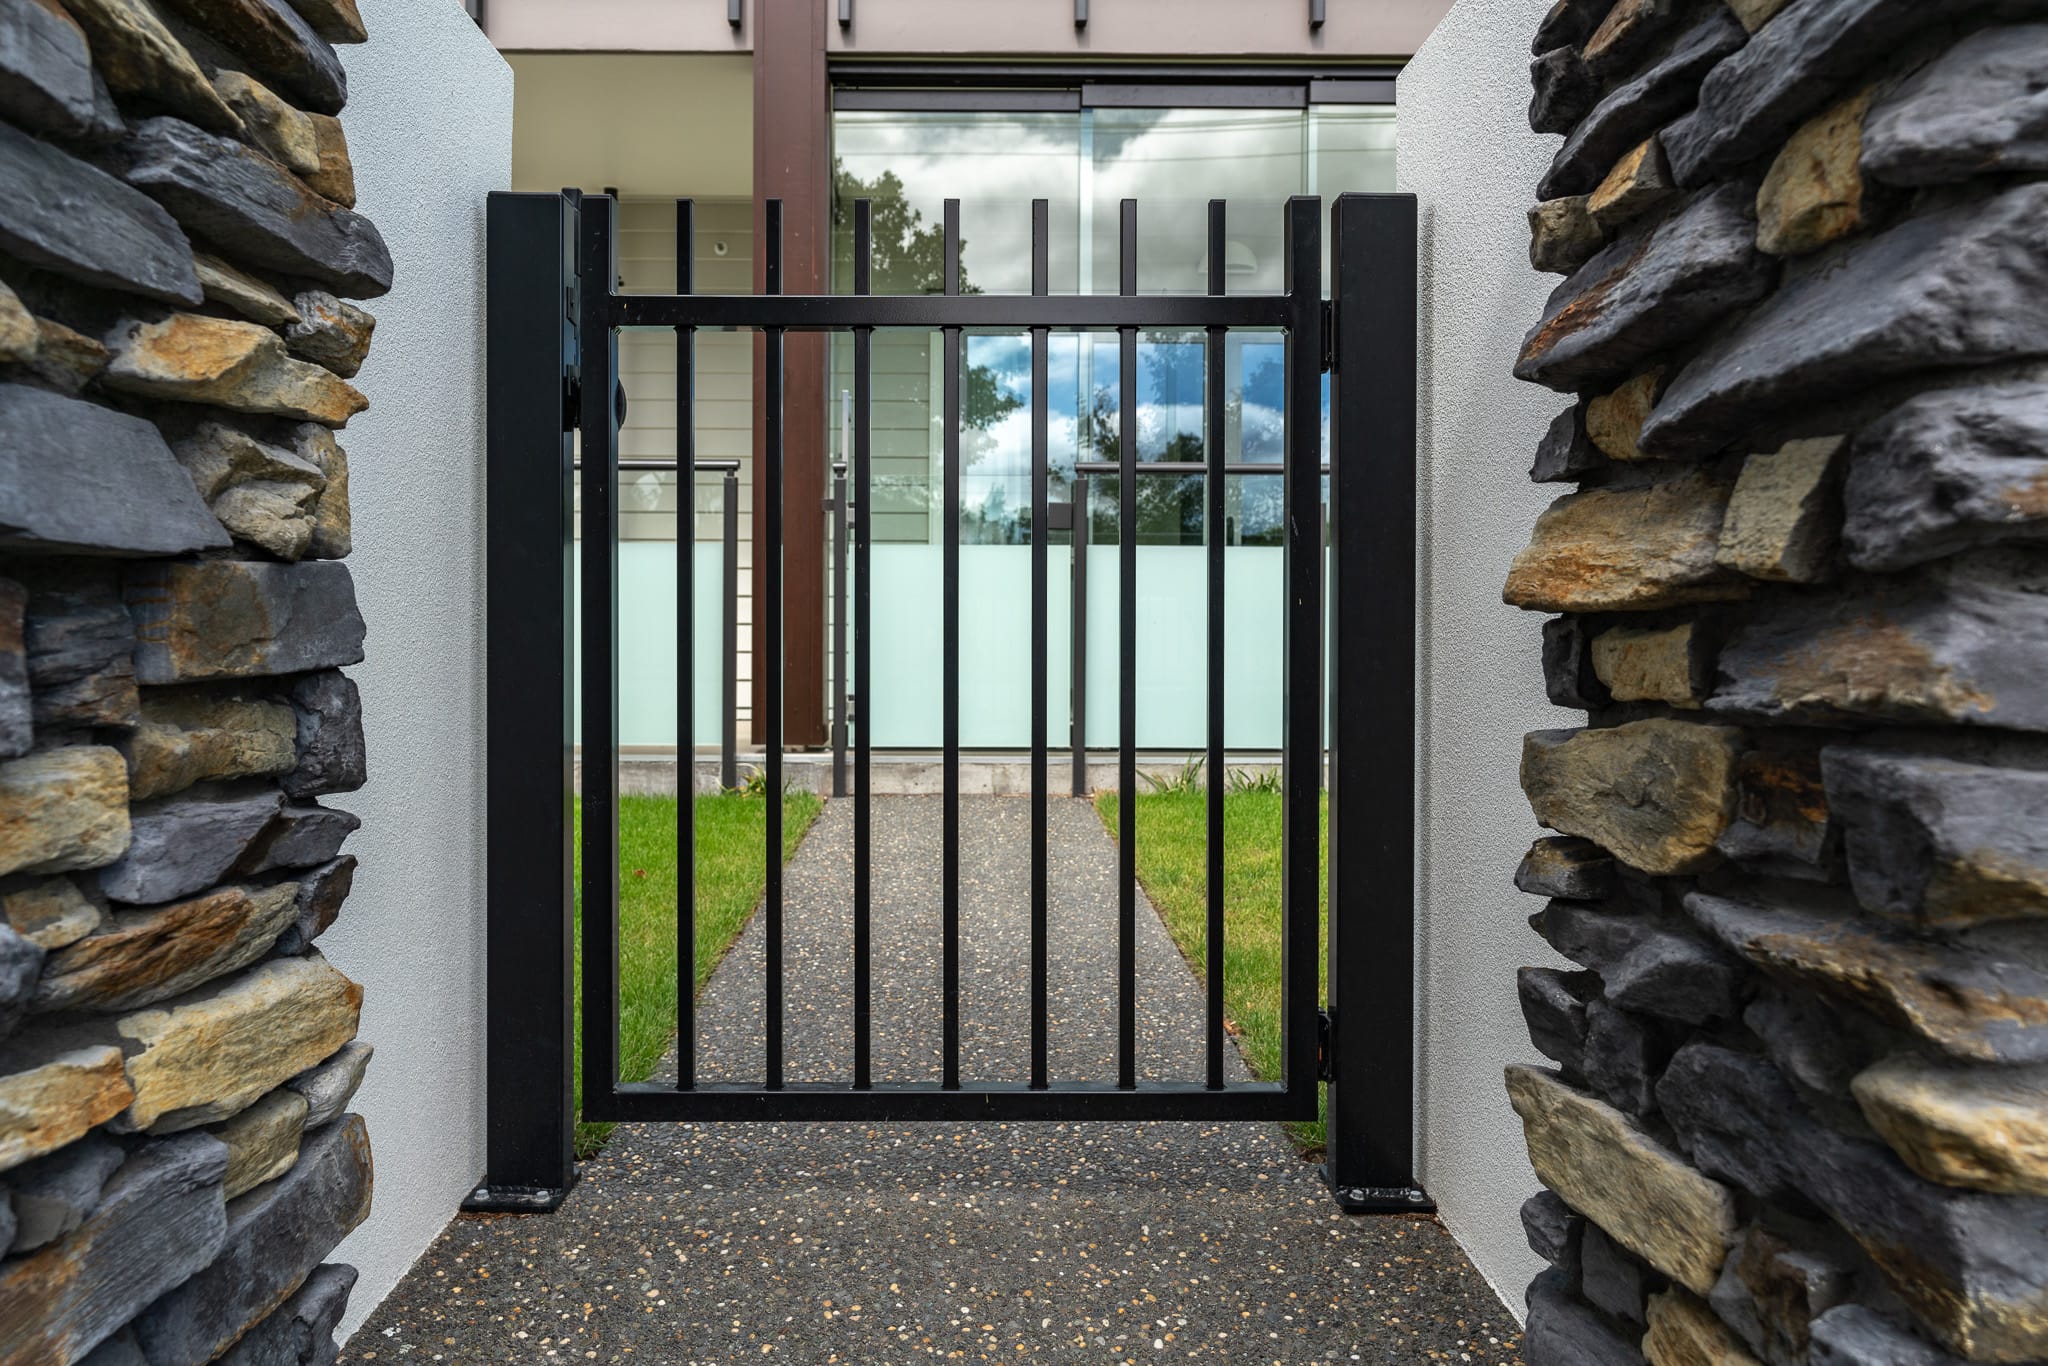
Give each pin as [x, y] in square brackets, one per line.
[1127, 663]
[863, 673]
[768, 599]
[1041, 280]
[949, 873]
[686, 667]
[1214, 487]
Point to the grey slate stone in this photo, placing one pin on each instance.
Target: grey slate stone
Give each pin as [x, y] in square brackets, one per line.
[1565, 90]
[160, 1220]
[21, 963]
[46, 77]
[330, 1086]
[1564, 1332]
[187, 842]
[1964, 643]
[81, 476]
[1782, 826]
[255, 209]
[1641, 105]
[1565, 452]
[279, 44]
[1951, 288]
[75, 219]
[1568, 676]
[1554, 1008]
[1960, 1259]
[276, 1235]
[81, 647]
[1852, 1335]
[1648, 961]
[241, 618]
[1975, 110]
[1947, 471]
[1569, 23]
[1553, 1230]
[1811, 1043]
[1792, 68]
[1568, 867]
[301, 836]
[331, 757]
[1612, 1278]
[55, 1194]
[7, 1225]
[1646, 292]
[321, 892]
[17, 710]
[118, 1350]
[301, 1332]
[1620, 1062]
[1940, 843]
[1771, 1290]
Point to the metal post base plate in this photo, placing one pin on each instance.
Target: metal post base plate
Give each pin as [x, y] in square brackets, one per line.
[1380, 1199]
[489, 1199]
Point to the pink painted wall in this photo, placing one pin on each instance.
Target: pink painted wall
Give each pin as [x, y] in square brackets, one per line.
[1259, 29]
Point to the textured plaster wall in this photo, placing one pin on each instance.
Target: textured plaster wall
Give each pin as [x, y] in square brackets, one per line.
[1468, 156]
[430, 127]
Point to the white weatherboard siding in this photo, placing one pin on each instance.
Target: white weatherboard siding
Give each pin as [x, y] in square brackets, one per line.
[1467, 154]
[429, 123]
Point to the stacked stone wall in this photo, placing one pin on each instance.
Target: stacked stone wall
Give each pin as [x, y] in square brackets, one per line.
[178, 249]
[1799, 585]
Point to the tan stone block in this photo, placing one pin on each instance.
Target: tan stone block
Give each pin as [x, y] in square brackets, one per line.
[1982, 1128]
[1784, 519]
[338, 21]
[19, 336]
[1813, 193]
[66, 359]
[263, 1140]
[285, 133]
[207, 1056]
[1627, 549]
[54, 1090]
[1754, 14]
[1656, 794]
[333, 536]
[151, 955]
[336, 178]
[272, 516]
[1614, 421]
[243, 292]
[1684, 1332]
[218, 457]
[63, 809]
[1642, 1194]
[1628, 27]
[51, 913]
[333, 333]
[1563, 235]
[193, 738]
[1651, 666]
[191, 359]
[1638, 183]
[138, 55]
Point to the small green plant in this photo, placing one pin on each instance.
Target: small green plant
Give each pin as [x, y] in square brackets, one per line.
[755, 784]
[1188, 778]
[1244, 780]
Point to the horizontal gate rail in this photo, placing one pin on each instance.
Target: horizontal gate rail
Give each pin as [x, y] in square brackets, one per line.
[1006, 1102]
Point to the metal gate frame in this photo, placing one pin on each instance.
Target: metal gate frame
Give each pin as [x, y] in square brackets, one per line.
[551, 332]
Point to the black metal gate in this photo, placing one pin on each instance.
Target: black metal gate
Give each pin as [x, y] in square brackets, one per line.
[554, 314]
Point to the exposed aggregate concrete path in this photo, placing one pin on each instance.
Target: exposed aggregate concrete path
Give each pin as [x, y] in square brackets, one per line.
[864, 1243]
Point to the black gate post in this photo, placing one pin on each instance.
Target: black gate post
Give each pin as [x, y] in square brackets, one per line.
[1370, 1142]
[530, 336]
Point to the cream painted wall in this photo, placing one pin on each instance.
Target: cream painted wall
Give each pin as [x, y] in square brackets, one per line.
[429, 123]
[649, 123]
[1467, 154]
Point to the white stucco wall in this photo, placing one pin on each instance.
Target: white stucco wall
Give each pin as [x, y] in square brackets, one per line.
[429, 123]
[1467, 154]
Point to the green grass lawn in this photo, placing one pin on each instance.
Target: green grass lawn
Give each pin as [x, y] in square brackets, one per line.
[1172, 866]
[732, 833]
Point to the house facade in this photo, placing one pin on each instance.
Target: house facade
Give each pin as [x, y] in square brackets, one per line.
[818, 103]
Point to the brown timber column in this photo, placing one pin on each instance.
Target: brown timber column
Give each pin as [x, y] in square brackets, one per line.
[792, 162]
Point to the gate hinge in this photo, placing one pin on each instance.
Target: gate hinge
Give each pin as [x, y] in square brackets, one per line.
[1326, 1038]
[1329, 335]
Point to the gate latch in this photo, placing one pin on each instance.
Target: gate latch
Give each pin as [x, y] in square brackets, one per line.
[1326, 1065]
[1329, 356]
